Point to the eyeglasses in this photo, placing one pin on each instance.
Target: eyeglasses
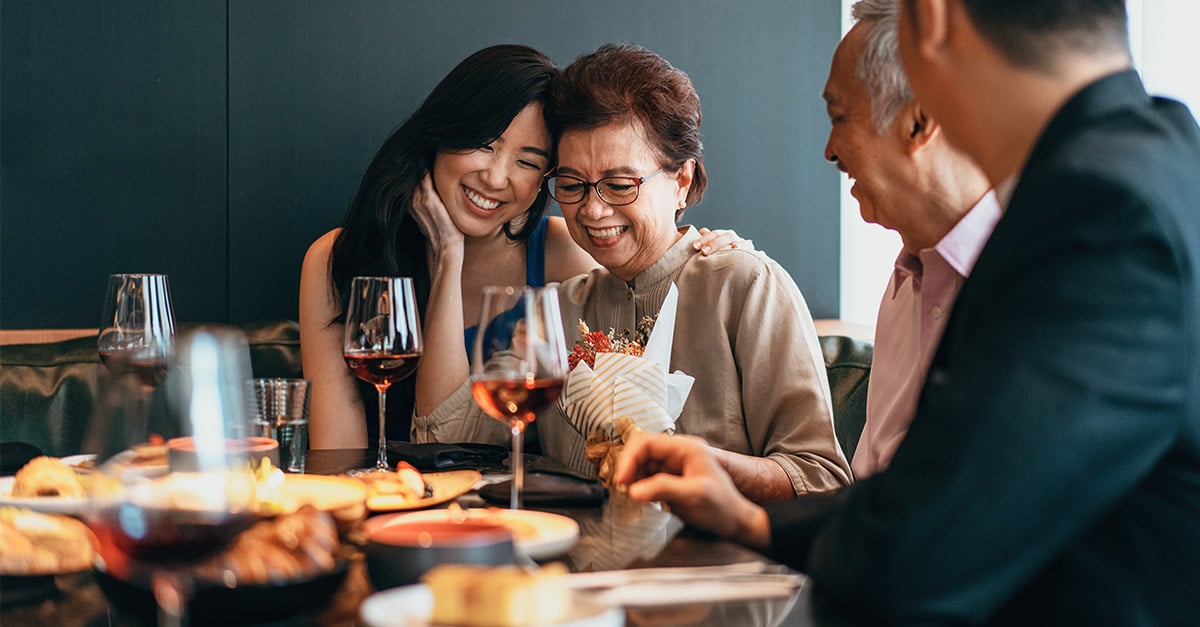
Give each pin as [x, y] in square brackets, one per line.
[614, 190]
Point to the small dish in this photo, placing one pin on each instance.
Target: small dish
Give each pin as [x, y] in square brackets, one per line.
[538, 535]
[215, 604]
[181, 452]
[412, 606]
[398, 553]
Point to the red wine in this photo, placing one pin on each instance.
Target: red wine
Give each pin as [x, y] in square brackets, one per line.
[380, 367]
[150, 371]
[519, 400]
[161, 535]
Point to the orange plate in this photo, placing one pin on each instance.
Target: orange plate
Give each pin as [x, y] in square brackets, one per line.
[446, 486]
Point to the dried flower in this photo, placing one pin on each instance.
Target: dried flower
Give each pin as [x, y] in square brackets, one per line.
[593, 342]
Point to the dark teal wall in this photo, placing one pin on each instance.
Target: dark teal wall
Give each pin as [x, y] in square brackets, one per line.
[214, 141]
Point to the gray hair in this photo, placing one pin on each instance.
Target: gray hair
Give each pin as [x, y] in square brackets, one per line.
[879, 67]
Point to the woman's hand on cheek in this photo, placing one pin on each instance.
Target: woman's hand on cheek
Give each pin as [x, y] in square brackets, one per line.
[432, 217]
[711, 241]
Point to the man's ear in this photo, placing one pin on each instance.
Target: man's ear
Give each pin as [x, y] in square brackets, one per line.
[930, 28]
[917, 126]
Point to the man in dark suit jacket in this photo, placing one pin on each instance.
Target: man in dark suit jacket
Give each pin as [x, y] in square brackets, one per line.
[1052, 471]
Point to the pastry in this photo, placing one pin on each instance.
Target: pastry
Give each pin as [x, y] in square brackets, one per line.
[47, 476]
[498, 596]
[43, 544]
[404, 486]
[289, 547]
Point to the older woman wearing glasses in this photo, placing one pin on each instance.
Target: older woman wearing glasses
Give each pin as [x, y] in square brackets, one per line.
[630, 162]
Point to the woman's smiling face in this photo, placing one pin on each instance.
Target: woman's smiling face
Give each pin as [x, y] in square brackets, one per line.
[626, 239]
[486, 187]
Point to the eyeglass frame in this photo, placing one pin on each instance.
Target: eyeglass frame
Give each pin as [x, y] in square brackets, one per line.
[638, 181]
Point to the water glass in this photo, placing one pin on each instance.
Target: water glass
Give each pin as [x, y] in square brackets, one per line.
[280, 411]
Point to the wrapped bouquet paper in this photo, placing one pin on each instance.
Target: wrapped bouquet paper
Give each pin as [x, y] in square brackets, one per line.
[620, 384]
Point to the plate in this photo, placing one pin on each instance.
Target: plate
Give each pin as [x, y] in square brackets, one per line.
[218, 605]
[127, 460]
[446, 487]
[72, 505]
[326, 493]
[412, 606]
[540, 535]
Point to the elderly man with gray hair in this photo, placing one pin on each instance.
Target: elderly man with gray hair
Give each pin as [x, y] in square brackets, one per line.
[910, 179]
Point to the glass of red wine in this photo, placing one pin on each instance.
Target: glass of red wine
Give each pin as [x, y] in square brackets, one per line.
[518, 362]
[382, 341]
[155, 527]
[137, 327]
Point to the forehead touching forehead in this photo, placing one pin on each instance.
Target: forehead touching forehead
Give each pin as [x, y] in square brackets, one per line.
[620, 148]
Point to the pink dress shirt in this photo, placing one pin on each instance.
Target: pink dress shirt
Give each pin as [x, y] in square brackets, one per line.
[912, 316]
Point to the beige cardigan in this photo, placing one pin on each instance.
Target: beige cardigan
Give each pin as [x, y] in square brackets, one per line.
[742, 330]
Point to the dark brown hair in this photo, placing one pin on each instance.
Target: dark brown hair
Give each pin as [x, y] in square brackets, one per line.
[626, 83]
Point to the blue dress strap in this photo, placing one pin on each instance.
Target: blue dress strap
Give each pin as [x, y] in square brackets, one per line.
[535, 255]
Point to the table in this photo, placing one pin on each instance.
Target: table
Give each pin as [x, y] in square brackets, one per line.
[619, 534]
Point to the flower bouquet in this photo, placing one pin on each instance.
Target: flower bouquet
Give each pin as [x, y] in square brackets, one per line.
[619, 384]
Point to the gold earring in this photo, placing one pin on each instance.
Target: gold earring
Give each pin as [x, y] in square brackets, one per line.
[683, 204]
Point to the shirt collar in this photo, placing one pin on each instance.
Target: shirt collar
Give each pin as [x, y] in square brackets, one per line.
[960, 247]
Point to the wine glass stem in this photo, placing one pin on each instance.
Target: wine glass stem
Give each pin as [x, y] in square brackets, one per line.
[172, 592]
[381, 462]
[518, 466]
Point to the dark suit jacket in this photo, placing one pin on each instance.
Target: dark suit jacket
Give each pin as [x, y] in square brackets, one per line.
[1052, 471]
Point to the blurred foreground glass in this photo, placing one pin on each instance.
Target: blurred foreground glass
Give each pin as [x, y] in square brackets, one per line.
[382, 342]
[518, 362]
[153, 526]
[137, 327]
[279, 410]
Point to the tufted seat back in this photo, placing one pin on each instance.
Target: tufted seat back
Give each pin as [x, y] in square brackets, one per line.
[848, 364]
[48, 390]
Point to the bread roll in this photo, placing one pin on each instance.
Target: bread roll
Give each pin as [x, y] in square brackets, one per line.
[43, 544]
[498, 596]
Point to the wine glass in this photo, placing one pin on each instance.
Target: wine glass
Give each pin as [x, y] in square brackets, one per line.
[137, 327]
[155, 529]
[518, 362]
[382, 342]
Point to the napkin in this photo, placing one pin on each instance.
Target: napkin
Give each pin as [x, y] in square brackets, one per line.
[550, 489]
[620, 385]
[433, 456]
[649, 587]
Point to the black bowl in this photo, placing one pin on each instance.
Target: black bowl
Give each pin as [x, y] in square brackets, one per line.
[399, 553]
[214, 604]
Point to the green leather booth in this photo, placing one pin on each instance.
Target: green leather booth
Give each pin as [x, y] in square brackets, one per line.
[48, 391]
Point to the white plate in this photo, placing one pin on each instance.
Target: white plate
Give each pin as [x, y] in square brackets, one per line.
[74, 505]
[411, 606]
[540, 535]
[126, 461]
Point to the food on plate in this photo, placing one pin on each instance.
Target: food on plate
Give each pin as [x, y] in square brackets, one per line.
[405, 485]
[288, 547]
[150, 453]
[43, 544]
[498, 596]
[47, 476]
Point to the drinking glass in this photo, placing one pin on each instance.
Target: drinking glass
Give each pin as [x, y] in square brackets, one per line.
[382, 342]
[153, 528]
[137, 327]
[518, 362]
